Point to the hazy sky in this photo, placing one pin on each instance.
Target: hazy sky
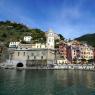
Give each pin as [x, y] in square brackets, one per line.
[71, 18]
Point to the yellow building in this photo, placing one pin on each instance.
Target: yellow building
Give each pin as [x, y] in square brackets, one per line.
[86, 52]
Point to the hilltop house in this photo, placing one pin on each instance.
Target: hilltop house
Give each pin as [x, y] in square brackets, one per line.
[27, 38]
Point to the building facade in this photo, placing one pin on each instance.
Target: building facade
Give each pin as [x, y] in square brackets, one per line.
[32, 57]
[86, 52]
[63, 50]
[75, 51]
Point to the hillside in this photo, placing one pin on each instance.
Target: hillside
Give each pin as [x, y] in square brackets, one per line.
[12, 31]
[89, 38]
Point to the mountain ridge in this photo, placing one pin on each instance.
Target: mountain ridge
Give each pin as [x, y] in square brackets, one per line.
[88, 38]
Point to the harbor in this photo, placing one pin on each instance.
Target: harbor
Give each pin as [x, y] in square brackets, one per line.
[47, 47]
[71, 55]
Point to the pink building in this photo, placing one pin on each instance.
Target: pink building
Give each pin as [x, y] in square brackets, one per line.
[63, 50]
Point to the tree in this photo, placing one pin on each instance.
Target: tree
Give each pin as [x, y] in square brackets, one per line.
[61, 37]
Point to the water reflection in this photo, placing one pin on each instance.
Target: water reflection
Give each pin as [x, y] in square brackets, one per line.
[47, 82]
[76, 81]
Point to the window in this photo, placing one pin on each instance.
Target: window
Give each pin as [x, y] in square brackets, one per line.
[28, 57]
[34, 57]
[23, 53]
[18, 53]
[32, 54]
[41, 57]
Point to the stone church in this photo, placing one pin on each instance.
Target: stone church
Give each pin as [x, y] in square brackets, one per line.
[34, 57]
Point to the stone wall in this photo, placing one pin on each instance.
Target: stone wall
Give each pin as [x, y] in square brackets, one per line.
[37, 63]
[34, 57]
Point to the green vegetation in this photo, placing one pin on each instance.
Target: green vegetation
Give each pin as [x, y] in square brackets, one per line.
[61, 37]
[89, 38]
[12, 31]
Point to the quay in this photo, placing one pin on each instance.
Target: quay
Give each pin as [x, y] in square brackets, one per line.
[90, 67]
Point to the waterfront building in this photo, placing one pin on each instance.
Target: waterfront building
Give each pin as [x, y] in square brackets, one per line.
[32, 57]
[60, 58]
[75, 52]
[70, 50]
[63, 50]
[69, 54]
[86, 52]
[81, 51]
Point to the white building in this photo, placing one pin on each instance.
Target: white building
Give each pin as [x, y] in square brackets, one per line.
[14, 44]
[27, 38]
[50, 40]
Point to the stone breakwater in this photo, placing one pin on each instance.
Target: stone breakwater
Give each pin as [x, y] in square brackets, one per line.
[56, 67]
[76, 66]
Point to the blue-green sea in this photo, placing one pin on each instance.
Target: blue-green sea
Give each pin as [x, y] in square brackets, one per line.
[46, 82]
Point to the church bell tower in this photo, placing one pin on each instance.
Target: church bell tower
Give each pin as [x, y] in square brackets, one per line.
[50, 39]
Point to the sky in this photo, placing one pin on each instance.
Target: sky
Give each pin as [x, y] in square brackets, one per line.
[71, 18]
